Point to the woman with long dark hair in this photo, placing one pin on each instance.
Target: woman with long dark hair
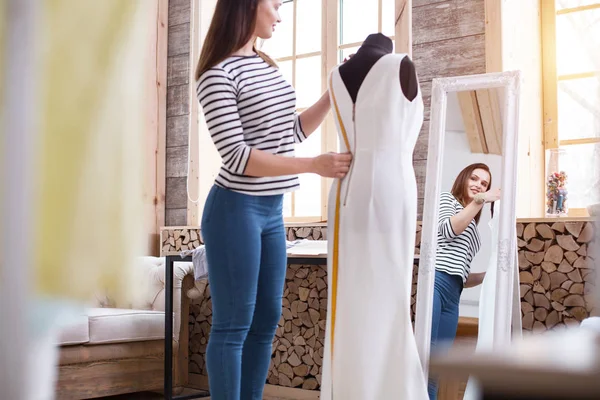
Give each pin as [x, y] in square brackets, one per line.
[250, 112]
[458, 242]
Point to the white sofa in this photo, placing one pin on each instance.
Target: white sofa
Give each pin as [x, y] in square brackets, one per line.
[115, 350]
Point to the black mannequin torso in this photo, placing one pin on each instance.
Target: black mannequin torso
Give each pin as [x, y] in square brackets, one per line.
[375, 46]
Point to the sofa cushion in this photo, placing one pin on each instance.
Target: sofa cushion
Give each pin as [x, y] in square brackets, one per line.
[116, 325]
[77, 332]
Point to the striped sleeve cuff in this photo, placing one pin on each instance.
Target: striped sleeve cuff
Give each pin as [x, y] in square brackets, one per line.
[299, 135]
[445, 229]
[446, 211]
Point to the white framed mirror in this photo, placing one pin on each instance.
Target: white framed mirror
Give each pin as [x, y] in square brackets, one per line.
[498, 95]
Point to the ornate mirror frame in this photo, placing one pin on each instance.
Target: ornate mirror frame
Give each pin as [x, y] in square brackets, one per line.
[506, 262]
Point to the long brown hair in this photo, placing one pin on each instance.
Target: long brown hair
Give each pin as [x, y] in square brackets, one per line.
[459, 189]
[231, 27]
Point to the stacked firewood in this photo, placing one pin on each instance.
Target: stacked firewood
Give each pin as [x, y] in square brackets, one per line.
[299, 340]
[415, 275]
[307, 232]
[175, 240]
[200, 325]
[298, 347]
[556, 273]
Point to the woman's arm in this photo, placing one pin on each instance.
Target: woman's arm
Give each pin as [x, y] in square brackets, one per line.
[474, 279]
[331, 165]
[463, 218]
[217, 95]
[447, 209]
[312, 117]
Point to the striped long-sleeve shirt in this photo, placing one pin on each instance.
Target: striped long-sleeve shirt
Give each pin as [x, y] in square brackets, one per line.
[248, 105]
[455, 252]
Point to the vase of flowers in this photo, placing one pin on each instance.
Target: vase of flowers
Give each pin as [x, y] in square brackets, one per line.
[556, 185]
[557, 194]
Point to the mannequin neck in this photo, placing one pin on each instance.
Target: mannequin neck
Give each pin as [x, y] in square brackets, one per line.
[376, 43]
[375, 46]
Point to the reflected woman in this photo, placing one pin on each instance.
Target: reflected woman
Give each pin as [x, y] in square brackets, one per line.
[457, 244]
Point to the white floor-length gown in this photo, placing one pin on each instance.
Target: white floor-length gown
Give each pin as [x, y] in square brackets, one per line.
[370, 349]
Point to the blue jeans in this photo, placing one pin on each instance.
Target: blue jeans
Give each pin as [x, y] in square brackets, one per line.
[446, 297]
[246, 254]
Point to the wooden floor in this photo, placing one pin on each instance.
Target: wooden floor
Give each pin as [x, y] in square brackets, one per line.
[156, 396]
[147, 396]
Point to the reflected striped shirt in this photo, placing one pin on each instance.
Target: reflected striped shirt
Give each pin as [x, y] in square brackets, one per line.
[455, 252]
[247, 104]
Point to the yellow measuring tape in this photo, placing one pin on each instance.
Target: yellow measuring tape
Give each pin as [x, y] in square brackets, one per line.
[336, 226]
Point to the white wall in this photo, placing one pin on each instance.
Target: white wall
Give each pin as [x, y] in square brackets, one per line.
[457, 155]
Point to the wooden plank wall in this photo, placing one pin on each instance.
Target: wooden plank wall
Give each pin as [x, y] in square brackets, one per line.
[448, 40]
[178, 111]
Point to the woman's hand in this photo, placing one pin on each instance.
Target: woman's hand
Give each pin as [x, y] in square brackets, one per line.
[492, 195]
[332, 165]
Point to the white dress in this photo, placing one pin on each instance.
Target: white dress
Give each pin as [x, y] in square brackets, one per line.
[371, 226]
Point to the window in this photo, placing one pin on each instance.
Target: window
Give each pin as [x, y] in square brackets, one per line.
[312, 38]
[358, 20]
[296, 46]
[571, 39]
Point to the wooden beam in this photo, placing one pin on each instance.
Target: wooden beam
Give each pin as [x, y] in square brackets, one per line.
[329, 59]
[472, 121]
[581, 75]
[567, 142]
[578, 9]
[403, 27]
[294, 65]
[491, 120]
[549, 74]
[305, 55]
[193, 176]
[482, 119]
[493, 36]
[161, 85]
[155, 140]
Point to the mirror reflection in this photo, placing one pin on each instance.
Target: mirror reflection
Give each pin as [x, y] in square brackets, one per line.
[468, 214]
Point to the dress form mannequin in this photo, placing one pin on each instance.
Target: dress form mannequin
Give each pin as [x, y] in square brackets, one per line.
[370, 351]
[375, 46]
